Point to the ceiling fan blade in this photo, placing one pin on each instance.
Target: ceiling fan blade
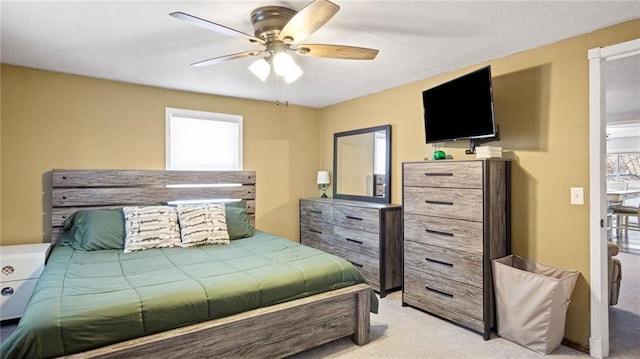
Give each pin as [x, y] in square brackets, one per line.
[337, 51]
[309, 19]
[214, 27]
[220, 59]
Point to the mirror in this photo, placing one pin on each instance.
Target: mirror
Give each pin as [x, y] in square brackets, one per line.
[362, 164]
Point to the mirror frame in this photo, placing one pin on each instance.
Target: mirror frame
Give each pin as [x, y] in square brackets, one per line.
[387, 182]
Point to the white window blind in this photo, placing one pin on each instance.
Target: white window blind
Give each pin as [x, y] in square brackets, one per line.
[197, 140]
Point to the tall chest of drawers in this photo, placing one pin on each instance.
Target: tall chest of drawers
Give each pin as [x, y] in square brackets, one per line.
[369, 235]
[456, 220]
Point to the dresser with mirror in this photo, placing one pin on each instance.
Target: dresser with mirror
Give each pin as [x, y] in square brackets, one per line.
[359, 223]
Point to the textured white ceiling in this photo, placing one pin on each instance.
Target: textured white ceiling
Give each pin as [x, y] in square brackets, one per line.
[139, 42]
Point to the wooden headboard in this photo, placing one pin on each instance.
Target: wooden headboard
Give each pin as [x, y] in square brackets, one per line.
[72, 190]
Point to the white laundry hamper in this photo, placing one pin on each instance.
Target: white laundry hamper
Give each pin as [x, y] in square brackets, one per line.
[531, 301]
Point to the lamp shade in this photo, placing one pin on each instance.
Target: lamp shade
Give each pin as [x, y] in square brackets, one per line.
[284, 66]
[261, 69]
[323, 177]
[282, 62]
[293, 73]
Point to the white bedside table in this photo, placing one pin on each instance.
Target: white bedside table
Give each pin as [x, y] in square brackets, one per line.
[21, 266]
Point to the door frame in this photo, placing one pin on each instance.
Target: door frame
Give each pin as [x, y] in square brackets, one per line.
[599, 337]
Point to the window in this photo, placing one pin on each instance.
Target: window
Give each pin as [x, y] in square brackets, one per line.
[197, 140]
[624, 167]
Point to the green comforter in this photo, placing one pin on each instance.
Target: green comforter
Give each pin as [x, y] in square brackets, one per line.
[85, 300]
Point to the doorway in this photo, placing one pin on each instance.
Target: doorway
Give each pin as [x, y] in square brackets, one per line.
[601, 62]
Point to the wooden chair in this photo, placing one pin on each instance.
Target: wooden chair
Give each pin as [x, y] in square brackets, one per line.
[623, 213]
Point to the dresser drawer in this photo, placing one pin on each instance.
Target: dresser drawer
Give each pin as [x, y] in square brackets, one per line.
[444, 174]
[14, 298]
[319, 245]
[316, 211]
[437, 293]
[317, 234]
[357, 241]
[454, 265]
[444, 232]
[444, 202]
[368, 266]
[364, 219]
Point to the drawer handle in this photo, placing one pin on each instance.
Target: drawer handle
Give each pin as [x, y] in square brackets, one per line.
[439, 232]
[356, 264]
[8, 270]
[315, 231]
[354, 218]
[353, 240]
[439, 292]
[438, 174]
[439, 262]
[315, 211]
[7, 291]
[439, 202]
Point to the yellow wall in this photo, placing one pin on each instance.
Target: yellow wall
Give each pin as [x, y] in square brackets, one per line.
[52, 120]
[542, 106]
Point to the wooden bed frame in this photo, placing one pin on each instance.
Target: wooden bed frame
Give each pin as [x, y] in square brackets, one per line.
[274, 331]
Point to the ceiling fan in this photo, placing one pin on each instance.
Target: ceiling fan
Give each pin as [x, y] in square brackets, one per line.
[280, 30]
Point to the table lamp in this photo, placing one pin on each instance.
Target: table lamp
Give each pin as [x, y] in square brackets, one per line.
[323, 181]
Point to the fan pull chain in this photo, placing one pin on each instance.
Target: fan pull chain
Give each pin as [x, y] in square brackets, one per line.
[279, 85]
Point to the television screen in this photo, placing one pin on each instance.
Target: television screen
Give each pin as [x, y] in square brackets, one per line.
[460, 109]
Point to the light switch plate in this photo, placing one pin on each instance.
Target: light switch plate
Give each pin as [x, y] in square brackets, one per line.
[577, 195]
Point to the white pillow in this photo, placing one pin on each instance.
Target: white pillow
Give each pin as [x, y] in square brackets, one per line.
[203, 224]
[150, 227]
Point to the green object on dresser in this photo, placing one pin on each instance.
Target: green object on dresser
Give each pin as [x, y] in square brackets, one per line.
[439, 155]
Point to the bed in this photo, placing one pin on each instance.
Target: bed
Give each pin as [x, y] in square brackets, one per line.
[258, 296]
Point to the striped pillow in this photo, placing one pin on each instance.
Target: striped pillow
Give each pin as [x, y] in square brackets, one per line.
[203, 224]
[150, 227]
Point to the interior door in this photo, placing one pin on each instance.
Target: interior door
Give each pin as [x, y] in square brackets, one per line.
[601, 61]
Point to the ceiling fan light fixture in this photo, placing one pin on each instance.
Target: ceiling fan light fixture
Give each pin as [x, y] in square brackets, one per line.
[293, 73]
[282, 62]
[280, 30]
[284, 66]
[261, 69]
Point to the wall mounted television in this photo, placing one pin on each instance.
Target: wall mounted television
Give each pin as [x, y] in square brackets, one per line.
[461, 109]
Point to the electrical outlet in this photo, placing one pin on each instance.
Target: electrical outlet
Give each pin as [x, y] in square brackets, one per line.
[577, 195]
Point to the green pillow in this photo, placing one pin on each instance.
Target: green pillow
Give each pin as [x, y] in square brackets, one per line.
[95, 229]
[237, 220]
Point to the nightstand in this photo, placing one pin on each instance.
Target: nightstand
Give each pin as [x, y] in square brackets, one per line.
[21, 266]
